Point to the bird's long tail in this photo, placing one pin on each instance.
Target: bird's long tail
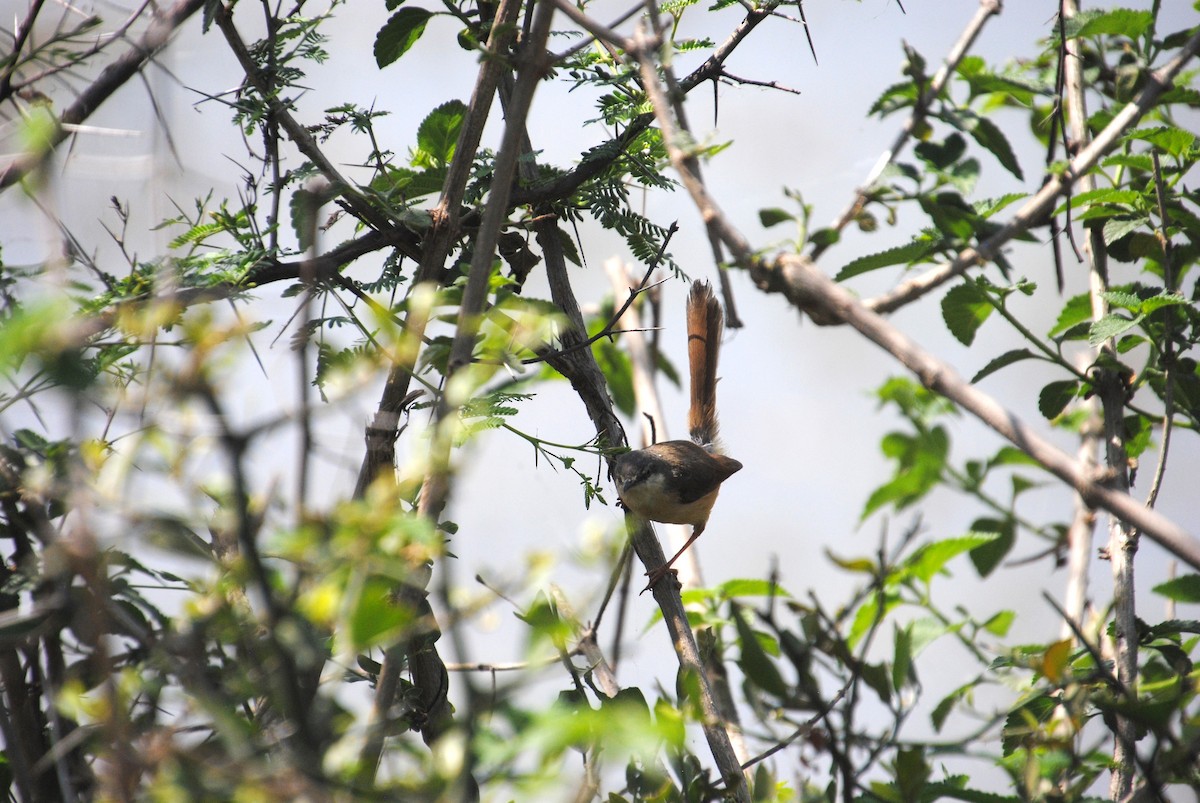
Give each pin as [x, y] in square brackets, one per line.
[704, 325]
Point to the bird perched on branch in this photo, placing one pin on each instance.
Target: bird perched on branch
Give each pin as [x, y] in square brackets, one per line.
[676, 482]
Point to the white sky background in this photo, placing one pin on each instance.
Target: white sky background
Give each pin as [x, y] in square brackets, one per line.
[795, 399]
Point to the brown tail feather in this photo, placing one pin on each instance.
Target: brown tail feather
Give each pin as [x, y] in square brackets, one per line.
[704, 325]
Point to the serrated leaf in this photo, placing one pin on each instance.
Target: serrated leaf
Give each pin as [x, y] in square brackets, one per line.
[990, 206]
[1111, 326]
[900, 255]
[1103, 195]
[964, 309]
[905, 255]
[1055, 397]
[437, 135]
[399, 34]
[1134, 161]
[1117, 228]
[1005, 359]
[1116, 22]
[1124, 299]
[1180, 589]
[1077, 310]
[896, 96]
[992, 139]
[1171, 140]
[1157, 302]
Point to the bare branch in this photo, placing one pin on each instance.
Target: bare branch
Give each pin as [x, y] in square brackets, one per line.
[112, 78]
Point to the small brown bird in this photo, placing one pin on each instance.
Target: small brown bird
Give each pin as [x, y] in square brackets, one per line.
[676, 482]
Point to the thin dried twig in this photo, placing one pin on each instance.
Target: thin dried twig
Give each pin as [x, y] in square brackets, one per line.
[112, 78]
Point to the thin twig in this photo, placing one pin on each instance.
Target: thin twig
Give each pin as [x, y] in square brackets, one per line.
[112, 78]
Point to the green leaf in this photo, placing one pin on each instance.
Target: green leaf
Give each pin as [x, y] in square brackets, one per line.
[932, 558]
[941, 155]
[992, 139]
[1005, 359]
[755, 663]
[1055, 397]
[1134, 161]
[990, 206]
[749, 587]
[1111, 326]
[774, 216]
[999, 624]
[1116, 22]
[902, 657]
[896, 96]
[438, 134]
[912, 773]
[868, 614]
[1077, 310]
[900, 255]
[374, 617]
[1104, 195]
[617, 368]
[1124, 299]
[1157, 302]
[1171, 140]
[964, 309]
[823, 238]
[1118, 227]
[1003, 534]
[1180, 589]
[920, 458]
[408, 184]
[399, 34]
[1025, 721]
[947, 703]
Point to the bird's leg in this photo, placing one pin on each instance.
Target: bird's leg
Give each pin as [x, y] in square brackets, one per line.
[655, 575]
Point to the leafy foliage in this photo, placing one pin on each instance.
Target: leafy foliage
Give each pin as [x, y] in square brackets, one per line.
[175, 624]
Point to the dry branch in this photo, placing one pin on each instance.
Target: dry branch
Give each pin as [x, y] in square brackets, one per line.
[112, 78]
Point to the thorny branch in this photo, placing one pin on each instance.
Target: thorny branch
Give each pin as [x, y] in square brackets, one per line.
[112, 78]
